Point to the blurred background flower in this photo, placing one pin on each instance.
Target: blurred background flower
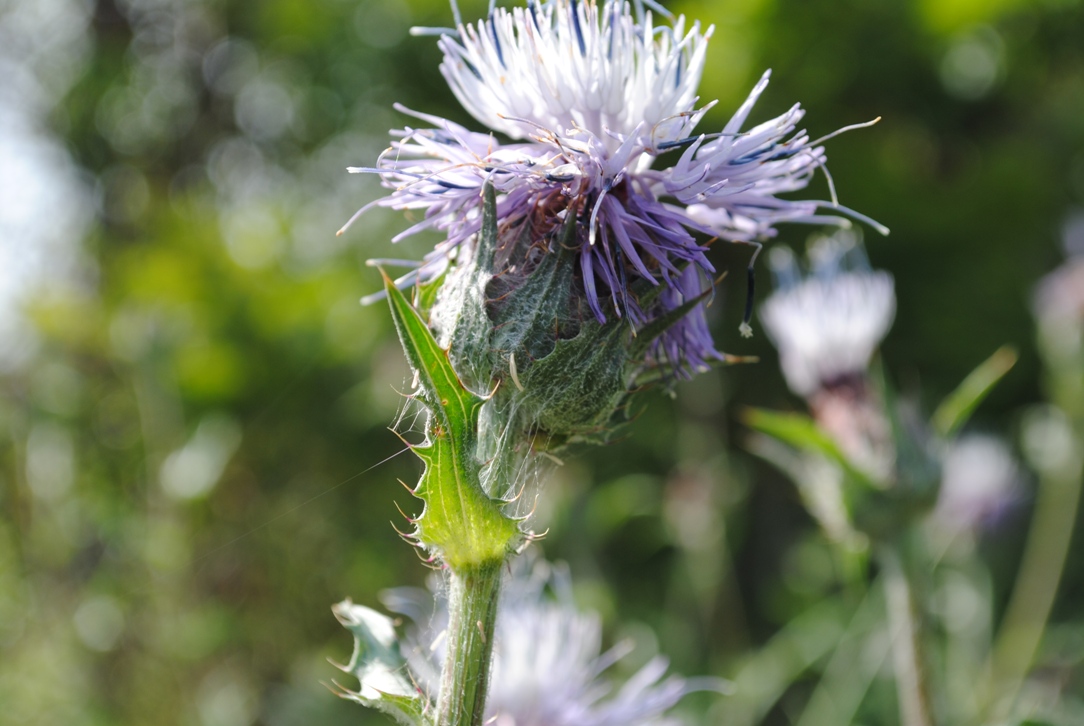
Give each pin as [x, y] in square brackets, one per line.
[193, 398]
[549, 668]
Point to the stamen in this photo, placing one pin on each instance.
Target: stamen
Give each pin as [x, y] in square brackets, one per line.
[831, 183]
[845, 129]
[594, 212]
[422, 31]
[658, 9]
[533, 7]
[576, 25]
[745, 328]
[455, 14]
[496, 38]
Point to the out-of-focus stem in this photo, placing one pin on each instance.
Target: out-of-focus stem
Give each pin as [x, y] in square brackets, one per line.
[912, 686]
[1036, 585]
[472, 614]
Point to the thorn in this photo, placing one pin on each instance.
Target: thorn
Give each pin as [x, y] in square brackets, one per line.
[408, 538]
[403, 439]
[413, 396]
[407, 518]
[512, 371]
[536, 536]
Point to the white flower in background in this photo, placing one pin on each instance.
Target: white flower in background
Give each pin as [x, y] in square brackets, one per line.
[548, 658]
[1059, 299]
[979, 480]
[828, 324]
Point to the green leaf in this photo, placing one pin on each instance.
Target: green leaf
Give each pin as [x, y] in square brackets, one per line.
[464, 322]
[667, 371]
[425, 294]
[957, 408]
[802, 432]
[460, 522]
[647, 335]
[577, 388]
[380, 667]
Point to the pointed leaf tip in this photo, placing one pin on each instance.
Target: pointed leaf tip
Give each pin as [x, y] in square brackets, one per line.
[956, 409]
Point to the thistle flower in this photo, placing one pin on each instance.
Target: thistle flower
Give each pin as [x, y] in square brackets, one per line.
[591, 96]
[547, 658]
[827, 325]
[826, 328]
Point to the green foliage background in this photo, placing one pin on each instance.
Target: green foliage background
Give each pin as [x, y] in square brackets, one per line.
[196, 462]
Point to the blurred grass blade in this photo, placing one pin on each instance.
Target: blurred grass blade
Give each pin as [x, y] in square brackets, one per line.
[957, 408]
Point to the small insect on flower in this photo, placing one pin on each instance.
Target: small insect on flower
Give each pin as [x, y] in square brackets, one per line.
[599, 107]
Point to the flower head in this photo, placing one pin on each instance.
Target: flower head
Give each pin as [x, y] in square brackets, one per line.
[979, 482]
[827, 325]
[592, 97]
[548, 661]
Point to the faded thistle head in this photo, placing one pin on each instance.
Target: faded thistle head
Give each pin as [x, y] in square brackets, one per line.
[587, 268]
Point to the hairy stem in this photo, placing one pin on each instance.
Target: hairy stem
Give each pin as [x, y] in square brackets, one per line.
[912, 687]
[472, 610]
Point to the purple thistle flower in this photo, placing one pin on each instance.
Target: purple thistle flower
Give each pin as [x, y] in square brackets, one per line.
[591, 97]
[548, 661]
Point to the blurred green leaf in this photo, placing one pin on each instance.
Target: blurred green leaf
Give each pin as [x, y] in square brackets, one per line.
[802, 432]
[957, 408]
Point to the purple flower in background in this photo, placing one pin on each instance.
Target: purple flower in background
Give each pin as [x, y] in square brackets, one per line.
[980, 480]
[591, 97]
[548, 658]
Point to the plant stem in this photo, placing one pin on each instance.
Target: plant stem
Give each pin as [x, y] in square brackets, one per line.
[1037, 584]
[911, 681]
[472, 615]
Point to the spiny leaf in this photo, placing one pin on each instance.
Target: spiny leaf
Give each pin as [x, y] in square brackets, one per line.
[451, 403]
[957, 408]
[465, 323]
[460, 521]
[425, 294]
[577, 387]
[380, 668]
[530, 315]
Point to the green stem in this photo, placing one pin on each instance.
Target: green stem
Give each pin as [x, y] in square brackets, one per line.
[1037, 584]
[912, 687]
[472, 615]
